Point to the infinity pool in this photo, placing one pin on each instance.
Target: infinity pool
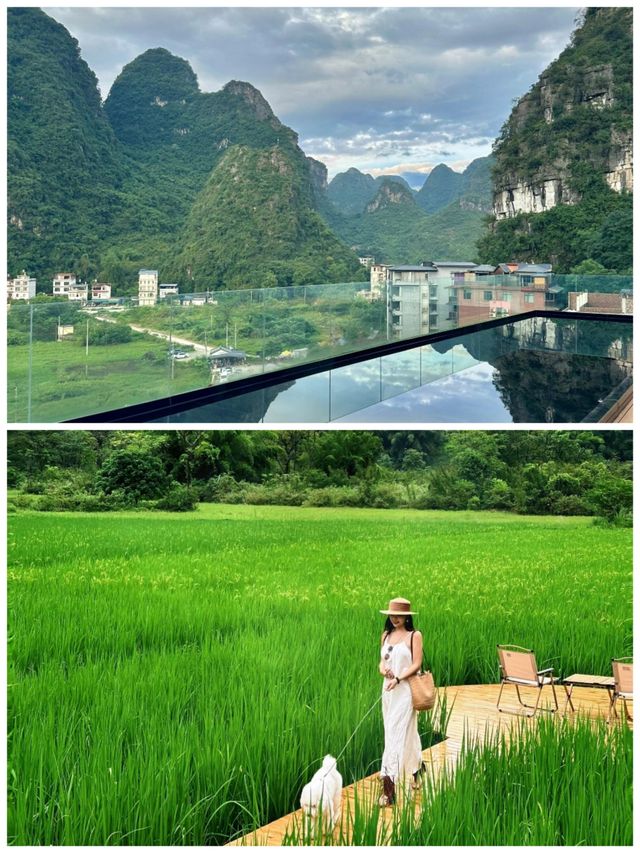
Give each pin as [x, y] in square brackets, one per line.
[532, 371]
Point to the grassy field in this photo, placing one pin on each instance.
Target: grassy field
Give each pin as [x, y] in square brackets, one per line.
[174, 678]
[67, 384]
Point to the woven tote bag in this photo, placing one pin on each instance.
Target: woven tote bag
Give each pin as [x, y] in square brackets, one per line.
[423, 688]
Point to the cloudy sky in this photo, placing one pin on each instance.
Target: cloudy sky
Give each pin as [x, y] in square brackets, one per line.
[388, 90]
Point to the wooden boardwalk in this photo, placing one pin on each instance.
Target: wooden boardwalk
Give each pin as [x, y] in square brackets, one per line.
[474, 716]
[622, 410]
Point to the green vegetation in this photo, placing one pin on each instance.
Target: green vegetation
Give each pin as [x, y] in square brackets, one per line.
[538, 789]
[403, 233]
[444, 220]
[258, 205]
[563, 128]
[350, 192]
[126, 366]
[172, 678]
[103, 191]
[561, 473]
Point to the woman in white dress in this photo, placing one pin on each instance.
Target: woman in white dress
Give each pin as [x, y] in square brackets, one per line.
[402, 757]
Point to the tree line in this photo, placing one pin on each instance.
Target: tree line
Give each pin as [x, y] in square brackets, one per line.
[557, 472]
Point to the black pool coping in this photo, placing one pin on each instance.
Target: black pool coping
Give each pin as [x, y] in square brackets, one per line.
[172, 405]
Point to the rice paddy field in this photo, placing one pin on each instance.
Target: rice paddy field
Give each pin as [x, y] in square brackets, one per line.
[175, 679]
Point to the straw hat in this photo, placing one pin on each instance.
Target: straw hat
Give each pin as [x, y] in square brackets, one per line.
[399, 607]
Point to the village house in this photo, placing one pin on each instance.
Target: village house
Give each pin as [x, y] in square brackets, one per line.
[147, 287]
[165, 290]
[100, 291]
[63, 282]
[21, 287]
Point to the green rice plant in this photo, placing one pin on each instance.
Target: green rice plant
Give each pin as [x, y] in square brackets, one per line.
[567, 783]
[177, 679]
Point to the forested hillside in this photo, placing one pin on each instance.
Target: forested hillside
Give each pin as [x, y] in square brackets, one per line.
[103, 190]
[385, 219]
[564, 170]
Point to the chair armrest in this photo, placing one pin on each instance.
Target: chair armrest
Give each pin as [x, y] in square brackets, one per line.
[545, 671]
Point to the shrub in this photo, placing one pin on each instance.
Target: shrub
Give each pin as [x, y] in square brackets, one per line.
[223, 489]
[179, 498]
[140, 475]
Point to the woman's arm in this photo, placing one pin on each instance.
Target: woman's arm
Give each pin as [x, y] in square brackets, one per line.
[383, 668]
[417, 657]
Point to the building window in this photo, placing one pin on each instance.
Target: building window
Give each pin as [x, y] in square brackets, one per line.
[526, 279]
[467, 294]
[529, 297]
[433, 290]
[506, 296]
[488, 295]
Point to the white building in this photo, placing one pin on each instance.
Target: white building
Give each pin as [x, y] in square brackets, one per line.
[62, 283]
[168, 290]
[21, 287]
[78, 293]
[412, 299]
[378, 279]
[367, 261]
[147, 287]
[100, 291]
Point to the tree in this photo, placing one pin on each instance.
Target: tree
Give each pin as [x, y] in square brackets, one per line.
[140, 476]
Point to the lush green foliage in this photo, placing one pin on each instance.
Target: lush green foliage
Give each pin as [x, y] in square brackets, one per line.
[350, 192]
[599, 229]
[257, 205]
[540, 788]
[578, 144]
[444, 222]
[172, 678]
[563, 473]
[104, 191]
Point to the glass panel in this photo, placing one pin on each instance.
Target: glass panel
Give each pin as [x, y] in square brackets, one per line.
[400, 372]
[354, 387]
[434, 364]
[462, 358]
[90, 356]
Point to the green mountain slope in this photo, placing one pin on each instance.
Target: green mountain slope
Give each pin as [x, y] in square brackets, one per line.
[394, 229]
[441, 187]
[253, 225]
[64, 164]
[103, 190]
[564, 158]
[351, 191]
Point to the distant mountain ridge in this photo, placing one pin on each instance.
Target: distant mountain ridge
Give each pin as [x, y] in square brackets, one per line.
[394, 224]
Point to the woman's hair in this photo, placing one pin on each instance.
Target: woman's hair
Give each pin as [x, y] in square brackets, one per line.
[408, 624]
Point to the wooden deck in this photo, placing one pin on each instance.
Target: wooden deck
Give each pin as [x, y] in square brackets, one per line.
[622, 410]
[473, 716]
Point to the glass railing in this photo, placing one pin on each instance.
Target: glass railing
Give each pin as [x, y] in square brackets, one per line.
[547, 370]
[71, 360]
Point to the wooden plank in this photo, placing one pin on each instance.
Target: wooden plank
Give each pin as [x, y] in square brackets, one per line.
[474, 717]
[622, 410]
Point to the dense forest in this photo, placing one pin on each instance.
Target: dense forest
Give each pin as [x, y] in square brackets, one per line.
[385, 219]
[537, 472]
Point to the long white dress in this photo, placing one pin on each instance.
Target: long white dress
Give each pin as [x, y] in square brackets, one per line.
[402, 754]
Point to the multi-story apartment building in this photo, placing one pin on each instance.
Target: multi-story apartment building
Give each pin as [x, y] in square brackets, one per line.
[378, 278]
[21, 287]
[147, 287]
[412, 299]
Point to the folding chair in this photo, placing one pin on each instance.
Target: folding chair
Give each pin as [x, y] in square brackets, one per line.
[623, 685]
[518, 667]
